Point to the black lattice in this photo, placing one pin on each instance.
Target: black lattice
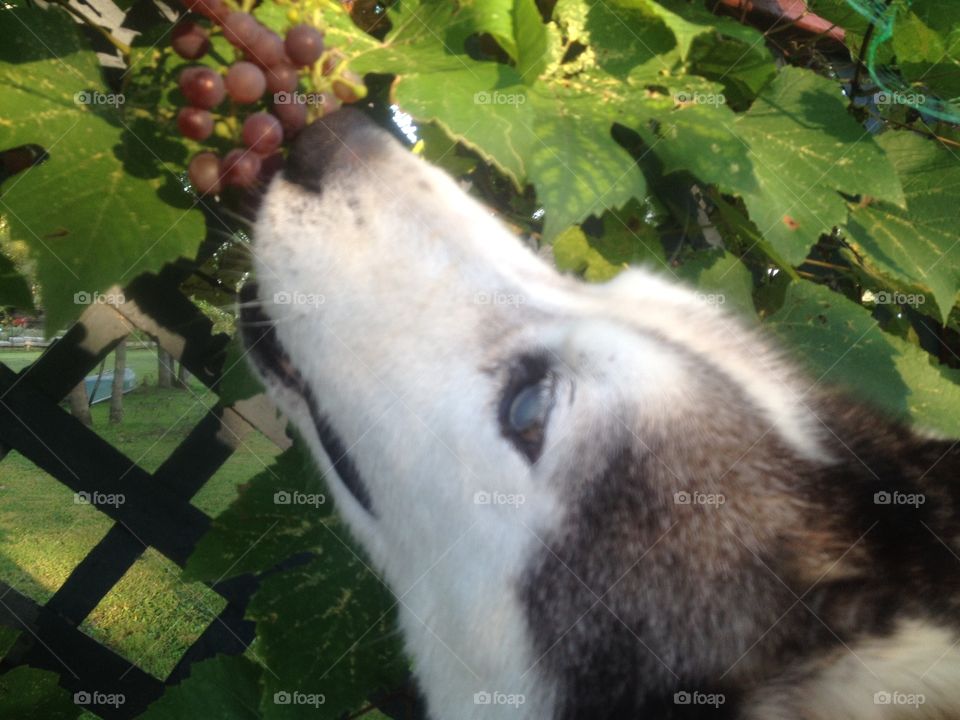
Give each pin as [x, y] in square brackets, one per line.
[156, 513]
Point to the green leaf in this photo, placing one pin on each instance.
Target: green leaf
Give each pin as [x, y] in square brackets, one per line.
[721, 279]
[741, 62]
[788, 157]
[259, 530]
[238, 381]
[684, 30]
[323, 628]
[222, 688]
[496, 17]
[326, 629]
[534, 46]
[14, 288]
[842, 345]
[625, 240]
[805, 148]
[919, 245]
[27, 693]
[120, 210]
[555, 134]
[8, 636]
[576, 166]
[926, 40]
[518, 29]
[629, 40]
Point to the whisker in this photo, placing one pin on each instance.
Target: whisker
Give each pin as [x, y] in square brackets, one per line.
[234, 215]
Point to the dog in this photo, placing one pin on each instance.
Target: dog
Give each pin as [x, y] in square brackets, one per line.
[592, 500]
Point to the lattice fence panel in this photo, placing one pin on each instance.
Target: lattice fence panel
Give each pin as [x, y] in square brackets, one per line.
[157, 512]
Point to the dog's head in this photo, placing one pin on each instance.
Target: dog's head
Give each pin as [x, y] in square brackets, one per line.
[567, 486]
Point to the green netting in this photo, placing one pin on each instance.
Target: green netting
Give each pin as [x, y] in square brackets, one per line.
[883, 15]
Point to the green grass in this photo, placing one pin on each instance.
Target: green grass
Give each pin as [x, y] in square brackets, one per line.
[151, 616]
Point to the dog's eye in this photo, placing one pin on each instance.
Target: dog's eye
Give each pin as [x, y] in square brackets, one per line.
[526, 405]
[528, 409]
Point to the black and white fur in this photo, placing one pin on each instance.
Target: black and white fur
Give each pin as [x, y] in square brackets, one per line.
[587, 587]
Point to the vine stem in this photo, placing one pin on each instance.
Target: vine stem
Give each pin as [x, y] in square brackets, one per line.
[821, 263]
[124, 49]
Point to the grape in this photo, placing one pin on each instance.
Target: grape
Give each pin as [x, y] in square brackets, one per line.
[245, 82]
[204, 173]
[346, 88]
[240, 167]
[241, 29]
[202, 87]
[270, 166]
[281, 78]
[189, 40]
[215, 10]
[194, 123]
[330, 63]
[267, 49]
[262, 133]
[304, 45]
[292, 116]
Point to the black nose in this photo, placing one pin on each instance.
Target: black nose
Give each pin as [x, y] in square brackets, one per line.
[346, 136]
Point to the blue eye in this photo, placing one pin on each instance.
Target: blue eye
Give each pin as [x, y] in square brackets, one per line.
[529, 408]
[526, 404]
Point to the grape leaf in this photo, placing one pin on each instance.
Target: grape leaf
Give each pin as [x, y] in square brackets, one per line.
[518, 29]
[788, 157]
[117, 215]
[14, 288]
[27, 693]
[257, 531]
[684, 30]
[625, 239]
[238, 381]
[926, 40]
[843, 345]
[554, 133]
[222, 688]
[721, 279]
[326, 629]
[918, 245]
[323, 628]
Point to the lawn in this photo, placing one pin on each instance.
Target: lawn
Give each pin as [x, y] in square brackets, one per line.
[151, 616]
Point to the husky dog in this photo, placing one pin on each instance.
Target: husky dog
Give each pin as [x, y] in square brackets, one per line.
[592, 501]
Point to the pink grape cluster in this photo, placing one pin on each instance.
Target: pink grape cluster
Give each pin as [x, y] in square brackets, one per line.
[270, 64]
